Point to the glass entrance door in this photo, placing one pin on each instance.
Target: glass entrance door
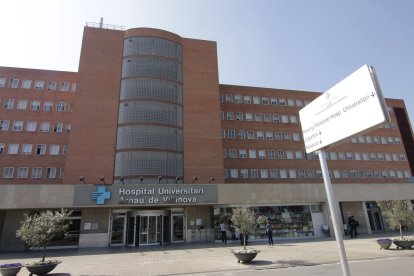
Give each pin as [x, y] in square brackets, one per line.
[149, 229]
[177, 227]
[118, 233]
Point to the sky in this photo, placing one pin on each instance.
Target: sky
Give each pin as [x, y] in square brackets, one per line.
[290, 44]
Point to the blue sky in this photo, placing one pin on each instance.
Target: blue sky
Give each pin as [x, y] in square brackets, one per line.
[290, 44]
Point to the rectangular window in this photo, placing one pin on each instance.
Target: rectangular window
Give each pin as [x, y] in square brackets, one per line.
[241, 134]
[13, 148]
[286, 136]
[13, 83]
[373, 156]
[37, 172]
[267, 118]
[230, 116]
[276, 118]
[269, 135]
[222, 115]
[354, 140]
[223, 133]
[262, 154]
[291, 102]
[403, 157]
[22, 104]
[250, 134]
[271, 154]
[39, 85]
[376, 140]
[254, 173]
[256, 100]
[224, 153]
[368, 139]
[26, 84]
[2, 82]
[292, 173]
[273, 173]
[296, 136]
[357, 156]
[1, 148]
[249, 116]
[398, 140]
[247, 100]
[390, 140]
[283, 173]
[280, 154]
[8, 172]
[27, 149]
[260, 135]
[244, 173]
[8, 104]
[282, 102]
[299, 103]
[238, 99]
[64, 86]
[311, 173]
[51, 172]
[35, 105]
[229, 98]
[273, 101]
[285, 119]
[31, 126]
[22, 172]
[17, 126]
[298, 154]
[380, 156]
[345, 174]
[4, 125]
[388, 156]
[231, 134]
[239, 116]
[384, 140]
[395, 157]
[41, 149]
[242, 153]
[263, 173]
[278, 136]
[61, 107]
[293, 119]
[289, 154]
[54, 149]
[302, 173]
[232, 153]
[58, 127]
[47, 106]
[51, 85]
[62, 173]
[258, 117]
[44, 127]
[341, 156]
[73, 87]
[337, 173]
[369, 174]
[349, 156]
[252, 153]
[265, 100]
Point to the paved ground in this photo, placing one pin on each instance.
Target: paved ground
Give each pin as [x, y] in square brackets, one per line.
[211, 258]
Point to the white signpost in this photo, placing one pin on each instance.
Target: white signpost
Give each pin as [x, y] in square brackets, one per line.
[352, 107]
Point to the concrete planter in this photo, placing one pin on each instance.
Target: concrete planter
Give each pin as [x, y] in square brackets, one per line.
[404, 244]
[245, 257]
[10, 271]
[384, 243]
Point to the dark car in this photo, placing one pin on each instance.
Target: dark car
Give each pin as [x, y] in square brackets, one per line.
[71, 235]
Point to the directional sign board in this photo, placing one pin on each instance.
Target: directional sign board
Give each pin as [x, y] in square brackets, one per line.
[353, 106]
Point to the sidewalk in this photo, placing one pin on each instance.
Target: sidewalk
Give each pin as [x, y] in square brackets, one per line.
[187, 259]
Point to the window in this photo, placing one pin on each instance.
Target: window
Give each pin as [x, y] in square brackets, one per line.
[13, 148]
[376, 140]
[299, 103]
[373, 156]
[400, 174]
[61, 106]
[377, 174]
[273, 173]
[398, 140]
[262, 154]
[333, 155]
[2, 82]
[395, 157]
[250, 134]
[291, 102]
[285, 119]
[1, 148]
[62, 173]
[8, 104]
[8, 172]
[13, 83]
[241, 134]
[337, 173]
[289, 154]
[388, 156]
[35, 105]
[293, 119]
[278, 136]
[254, 173]
[349, 156]
[271, 154]
[242, 153]
[249, 116]
[51, 172]
[41, 149]
[48, 106]
[222, 115]
[26, 84]
[224, 153]
[283, 173]
[361, 139]
[380, 156]
[258, 117]
[230, 116]
[341, 156]
[31, 126]
[44, 127]
[51, 85]
[22, 104]
[361, 174]
[357, 156]
[267, 118]
[302, 173]
[39, 85]
[276, 118]
[273, 101]
[247, 99]
[282, 102]
[73, 87]
[384, 140]
[260, 135]
[280, 154]
[292, 173]
[37, 172]
[269, 135]
[403, 157]
[22, 172]
[4, 125]
[263, 173]
[232, 153]
[27, 149]
[286, 136]
[296, 136]
[64, 86]
[256, 100]
[238, 99]
[354, 140]
[311, 173]
[17, 126]
[54, 149]
[239, 116]
[265, 100]
[392, 174]
[368, 139]
[234, 173]
[229, 98]
[407, 174]
[223, 133]
[58, 127]
[221, 97]
[252, 153]
[244, 173]
[390, 140]
[369, 174]
[298, 154]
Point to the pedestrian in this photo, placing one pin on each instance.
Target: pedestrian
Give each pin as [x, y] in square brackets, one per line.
[269, 232]
[223, 232]
[353, 224]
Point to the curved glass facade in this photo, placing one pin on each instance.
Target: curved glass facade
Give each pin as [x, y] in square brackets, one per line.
[150, 136]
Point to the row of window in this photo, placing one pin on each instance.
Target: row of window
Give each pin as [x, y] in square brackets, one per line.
[38, 84]
[31, 126]
[299, 155]
[258, 117]
[228, 98]
[36, 105]
[27, 149]
[36, 172]
[302, 173]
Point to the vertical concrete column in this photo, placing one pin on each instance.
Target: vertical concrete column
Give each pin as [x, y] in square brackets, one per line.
[365, 212]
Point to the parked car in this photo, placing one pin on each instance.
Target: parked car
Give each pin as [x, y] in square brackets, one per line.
[72, 235]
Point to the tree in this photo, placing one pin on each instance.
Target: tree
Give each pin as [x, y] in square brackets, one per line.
[398, 214]
[245, 221]
[39, 229]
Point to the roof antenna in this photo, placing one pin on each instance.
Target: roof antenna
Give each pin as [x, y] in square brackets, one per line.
[101, 23]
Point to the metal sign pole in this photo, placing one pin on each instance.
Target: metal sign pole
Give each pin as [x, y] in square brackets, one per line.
[334, 213]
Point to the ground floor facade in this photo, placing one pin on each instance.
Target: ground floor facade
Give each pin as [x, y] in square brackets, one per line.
[153, 215]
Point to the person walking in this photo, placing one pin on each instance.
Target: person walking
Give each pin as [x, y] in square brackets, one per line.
[223, 232]
[269, 232]
[353, 224]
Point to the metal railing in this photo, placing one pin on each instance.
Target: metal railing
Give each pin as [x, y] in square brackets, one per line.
[105, 26]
